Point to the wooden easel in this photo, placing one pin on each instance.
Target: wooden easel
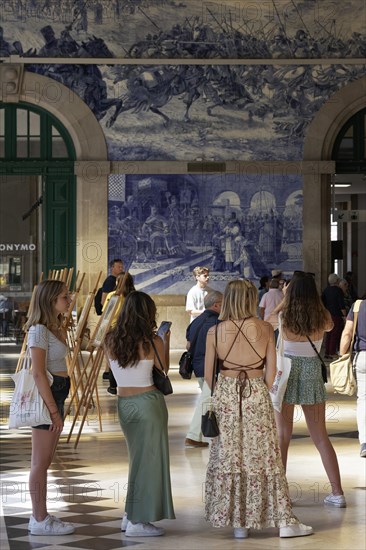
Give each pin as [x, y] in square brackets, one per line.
[95, 360]
[74, 335]
[94, 363]
[77, 367]
[84, 375]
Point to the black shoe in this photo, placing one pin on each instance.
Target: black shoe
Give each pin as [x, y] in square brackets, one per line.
[105, 375]
[194, 443]
[112, 391]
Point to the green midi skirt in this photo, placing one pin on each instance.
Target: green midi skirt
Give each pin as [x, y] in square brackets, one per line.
[144, 421]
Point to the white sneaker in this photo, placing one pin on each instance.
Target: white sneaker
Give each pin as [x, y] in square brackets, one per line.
[241, 533]
[33, 522]
[124, 522]
[336, 500]
[296, 530]
[143, 530]
[51, 526]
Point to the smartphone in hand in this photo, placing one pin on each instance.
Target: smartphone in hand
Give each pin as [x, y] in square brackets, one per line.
[164, 328]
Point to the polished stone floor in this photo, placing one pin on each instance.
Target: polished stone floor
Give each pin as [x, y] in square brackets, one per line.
[87, 484]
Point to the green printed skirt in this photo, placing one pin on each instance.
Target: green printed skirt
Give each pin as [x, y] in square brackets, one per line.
[144, 421]
[305, 384]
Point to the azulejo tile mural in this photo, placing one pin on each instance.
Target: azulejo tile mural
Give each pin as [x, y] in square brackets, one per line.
[189, 112]
[230, 29]
[163, 226]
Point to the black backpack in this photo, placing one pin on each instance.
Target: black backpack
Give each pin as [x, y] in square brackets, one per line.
[98, 301]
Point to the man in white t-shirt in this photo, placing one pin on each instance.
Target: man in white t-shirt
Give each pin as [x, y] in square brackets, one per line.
[195, 297]
[269, 302]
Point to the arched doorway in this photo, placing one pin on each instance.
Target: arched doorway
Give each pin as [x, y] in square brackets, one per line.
[349, 150]
[73, 129]
[319, 145]
[349, 195]
[37, 170]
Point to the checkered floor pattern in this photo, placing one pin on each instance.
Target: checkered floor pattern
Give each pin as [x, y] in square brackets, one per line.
[73, 495]
[86, 486]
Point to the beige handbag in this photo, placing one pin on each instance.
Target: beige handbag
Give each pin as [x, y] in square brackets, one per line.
[341, 370]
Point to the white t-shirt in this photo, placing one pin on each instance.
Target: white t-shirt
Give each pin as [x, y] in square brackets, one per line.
[269, 301]
[195, 299]
[56, 351]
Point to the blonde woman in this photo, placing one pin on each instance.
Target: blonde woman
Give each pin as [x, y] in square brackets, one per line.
[48, 349]
[246, 485]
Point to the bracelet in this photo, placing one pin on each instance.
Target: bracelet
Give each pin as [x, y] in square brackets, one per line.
[53, 413]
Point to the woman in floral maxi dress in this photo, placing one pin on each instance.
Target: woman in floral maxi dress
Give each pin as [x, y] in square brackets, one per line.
[246, 485]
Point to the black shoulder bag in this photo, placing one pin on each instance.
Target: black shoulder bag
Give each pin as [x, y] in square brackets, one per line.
[186, 360]
[209, 426]
[185, 365]
[160, 378]
[324, 368]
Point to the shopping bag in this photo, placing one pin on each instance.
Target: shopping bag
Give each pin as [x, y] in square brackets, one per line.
[342, 376]
[27, 407]
[278, 389]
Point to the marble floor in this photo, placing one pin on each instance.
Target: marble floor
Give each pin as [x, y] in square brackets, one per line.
[87, 484]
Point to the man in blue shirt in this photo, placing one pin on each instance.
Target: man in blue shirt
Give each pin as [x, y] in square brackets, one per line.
[196, 343]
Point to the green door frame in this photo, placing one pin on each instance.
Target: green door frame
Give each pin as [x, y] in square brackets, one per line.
[355, 162]
[58, 180]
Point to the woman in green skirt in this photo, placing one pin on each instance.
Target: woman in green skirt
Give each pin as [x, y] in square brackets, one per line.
[304, 322]
[142, 414]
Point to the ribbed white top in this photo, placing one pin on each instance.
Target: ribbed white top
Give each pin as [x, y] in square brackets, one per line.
[136, 376]
[301, 349]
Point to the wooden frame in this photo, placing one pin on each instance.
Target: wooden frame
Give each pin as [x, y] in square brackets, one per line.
[83, 319]
[105, 322]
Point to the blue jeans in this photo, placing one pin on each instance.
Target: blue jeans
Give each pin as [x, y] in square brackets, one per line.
[60, 390]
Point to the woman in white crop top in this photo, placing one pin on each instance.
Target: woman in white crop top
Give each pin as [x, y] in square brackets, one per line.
[303, 316]
[142, 414]
[48, 349]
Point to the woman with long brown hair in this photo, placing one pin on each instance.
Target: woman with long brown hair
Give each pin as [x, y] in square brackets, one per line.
[126, 287]
[304, 317]
[246, 485]
[133, 348]
[48, 350]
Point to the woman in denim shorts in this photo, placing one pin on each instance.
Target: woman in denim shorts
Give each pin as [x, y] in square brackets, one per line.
[48, 349]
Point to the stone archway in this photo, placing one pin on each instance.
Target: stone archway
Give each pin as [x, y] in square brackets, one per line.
[318, 145]
[329, 120]
[92, 167]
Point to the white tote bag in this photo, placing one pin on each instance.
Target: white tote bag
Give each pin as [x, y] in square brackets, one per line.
[27, 407]
[283, 368]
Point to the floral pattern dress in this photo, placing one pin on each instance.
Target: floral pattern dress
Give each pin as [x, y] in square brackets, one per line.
[246, 484]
